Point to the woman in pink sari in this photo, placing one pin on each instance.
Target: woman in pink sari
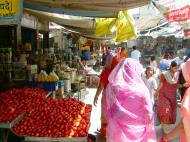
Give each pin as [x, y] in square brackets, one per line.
[129, 110]
[111, 63]
[183, 128]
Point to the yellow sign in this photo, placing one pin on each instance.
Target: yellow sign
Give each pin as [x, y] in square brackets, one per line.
[9, 8]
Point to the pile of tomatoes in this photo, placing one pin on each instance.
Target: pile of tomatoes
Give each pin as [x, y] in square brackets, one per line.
[56, 118]
[17, 101]
[44, 117]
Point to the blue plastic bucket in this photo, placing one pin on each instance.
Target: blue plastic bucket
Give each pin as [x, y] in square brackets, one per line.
[54, 86]
[47, 86]
[60, 84]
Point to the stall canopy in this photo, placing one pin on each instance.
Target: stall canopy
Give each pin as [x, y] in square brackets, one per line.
[83, 13]
[82, 26]
[62, 20]
[88, 8]
[176, 11]
[85, 8]
[144, 24]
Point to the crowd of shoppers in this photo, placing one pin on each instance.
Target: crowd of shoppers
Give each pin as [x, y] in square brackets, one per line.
[132, 97]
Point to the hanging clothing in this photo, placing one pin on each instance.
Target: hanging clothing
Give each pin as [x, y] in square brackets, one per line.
[129, 110]
[166, 105]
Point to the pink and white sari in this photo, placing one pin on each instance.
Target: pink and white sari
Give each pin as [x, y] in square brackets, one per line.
[129, 110]
[185, 104]
[185, 114]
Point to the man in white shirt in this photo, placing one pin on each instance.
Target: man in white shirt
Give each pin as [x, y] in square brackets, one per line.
[135, 54]
[180, 59]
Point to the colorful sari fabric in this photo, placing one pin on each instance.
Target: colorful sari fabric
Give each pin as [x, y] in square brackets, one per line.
[185, 114]
[129, 110]
[106, 72]
[166, 105]
[104, 81]
[185, 105]
[123, 54]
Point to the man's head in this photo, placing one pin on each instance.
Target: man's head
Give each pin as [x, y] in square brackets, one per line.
[181, 54]
[83, 60]
[152, 58]
[123, 53]
[134, 47]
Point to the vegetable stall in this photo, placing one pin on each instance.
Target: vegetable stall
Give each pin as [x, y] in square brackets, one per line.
[33, 116]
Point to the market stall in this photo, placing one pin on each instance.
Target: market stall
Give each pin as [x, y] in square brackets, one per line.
[51, 109]
[34, 116]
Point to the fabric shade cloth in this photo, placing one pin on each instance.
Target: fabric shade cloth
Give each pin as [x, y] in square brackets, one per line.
[99, 5]
[176, 11]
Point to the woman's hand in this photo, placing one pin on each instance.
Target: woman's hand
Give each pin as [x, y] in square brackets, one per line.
[185, 85]
[164, 139]
[95, 100]
[156, 93]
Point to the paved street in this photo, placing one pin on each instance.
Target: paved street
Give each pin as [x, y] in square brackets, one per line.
[95, 118]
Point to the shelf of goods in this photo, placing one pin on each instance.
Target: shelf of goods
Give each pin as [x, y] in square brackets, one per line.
[19, 71]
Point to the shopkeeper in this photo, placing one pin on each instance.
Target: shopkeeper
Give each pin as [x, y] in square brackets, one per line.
[40, 59]
[82, 64]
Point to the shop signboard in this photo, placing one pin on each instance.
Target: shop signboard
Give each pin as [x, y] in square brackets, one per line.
[176, 11]
[10, 11]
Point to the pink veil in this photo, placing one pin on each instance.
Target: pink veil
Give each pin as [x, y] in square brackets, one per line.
[185, 104]
[129, 108]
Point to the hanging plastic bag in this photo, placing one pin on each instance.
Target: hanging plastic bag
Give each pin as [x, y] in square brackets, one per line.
[104, 26]
[125, 29]
[124, 25]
